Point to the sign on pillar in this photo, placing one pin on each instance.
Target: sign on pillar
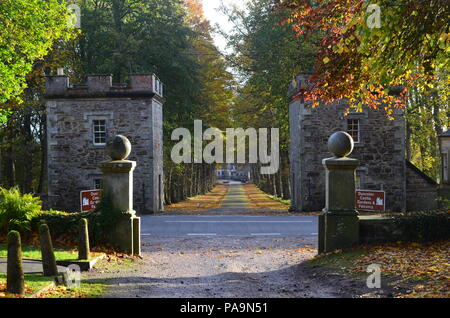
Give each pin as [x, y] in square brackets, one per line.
[370, 200]
[89, 199]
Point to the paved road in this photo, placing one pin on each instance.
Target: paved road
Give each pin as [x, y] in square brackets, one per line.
[228, 226]
[222, 225]
[29, 266]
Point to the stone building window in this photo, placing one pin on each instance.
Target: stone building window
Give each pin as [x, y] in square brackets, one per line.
[353, 129]
[99, 131]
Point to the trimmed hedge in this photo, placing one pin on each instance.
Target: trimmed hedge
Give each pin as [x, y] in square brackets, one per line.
[23, 212]
[65, 226]
[424, 226]
[406, 227]
[61, 224]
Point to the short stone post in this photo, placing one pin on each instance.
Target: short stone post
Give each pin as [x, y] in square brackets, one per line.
[339, 225]
[136, 236]
[83, 240]
[118, 187]
[48, 256]
[14, 271]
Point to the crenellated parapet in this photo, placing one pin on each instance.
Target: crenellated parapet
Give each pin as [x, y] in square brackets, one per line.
[140, 85]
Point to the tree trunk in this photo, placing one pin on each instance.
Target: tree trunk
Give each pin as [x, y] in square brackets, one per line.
[9, 158]
[27, 186]
[43, 142]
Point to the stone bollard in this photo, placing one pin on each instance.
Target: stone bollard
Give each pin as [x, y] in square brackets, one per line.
[136, 236]
[118, 185]
[14, 271]
[339, 225]
[83, 240]
[48, 257]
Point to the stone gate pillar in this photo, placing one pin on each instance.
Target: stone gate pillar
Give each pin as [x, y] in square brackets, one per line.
[338, 225]
[118, 188]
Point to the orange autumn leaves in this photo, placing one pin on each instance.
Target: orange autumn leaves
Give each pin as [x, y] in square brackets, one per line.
[259, 200]
[211, 200]
[5, 294]
[428, 265]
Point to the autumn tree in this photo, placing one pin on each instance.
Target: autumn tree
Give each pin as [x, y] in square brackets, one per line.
[28, 30]
[368, 51]
[362, 61]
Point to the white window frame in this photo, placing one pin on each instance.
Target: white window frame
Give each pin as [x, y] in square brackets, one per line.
[94, 132]
[358, 129]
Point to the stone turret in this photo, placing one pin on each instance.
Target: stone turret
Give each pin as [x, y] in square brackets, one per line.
[379, 145]
[80, 121]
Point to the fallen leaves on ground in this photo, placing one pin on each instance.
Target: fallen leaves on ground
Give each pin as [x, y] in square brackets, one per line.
[257, 199]
[64, 292]
[304, 250]
[211, 200]
[5, 294]
[427, 264]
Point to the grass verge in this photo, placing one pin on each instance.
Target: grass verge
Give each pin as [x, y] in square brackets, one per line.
[31, 252]
[33, 283]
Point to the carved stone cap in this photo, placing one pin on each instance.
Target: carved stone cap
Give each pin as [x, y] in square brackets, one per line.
[340, 163]
[118, 166]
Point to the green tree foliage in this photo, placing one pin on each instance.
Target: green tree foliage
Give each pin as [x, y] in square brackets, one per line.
[17, 210]
[427, 115]
[28, 29]
[23, 135]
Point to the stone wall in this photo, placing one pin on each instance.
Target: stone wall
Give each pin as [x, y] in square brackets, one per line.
[73, 159]
[381, 151]
[421, 190]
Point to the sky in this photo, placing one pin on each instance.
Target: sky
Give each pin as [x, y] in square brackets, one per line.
[209, 7]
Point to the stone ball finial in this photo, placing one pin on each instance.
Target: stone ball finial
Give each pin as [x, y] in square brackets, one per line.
[340, 144]
[118, 147]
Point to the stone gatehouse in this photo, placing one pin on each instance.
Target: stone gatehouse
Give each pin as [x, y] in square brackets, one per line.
[379, 145]
[80, 118]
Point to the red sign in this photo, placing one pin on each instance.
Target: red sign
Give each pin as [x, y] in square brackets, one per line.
[370, 200]
[89, 199]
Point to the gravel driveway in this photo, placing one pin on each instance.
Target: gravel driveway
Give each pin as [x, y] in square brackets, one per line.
[222, 267]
